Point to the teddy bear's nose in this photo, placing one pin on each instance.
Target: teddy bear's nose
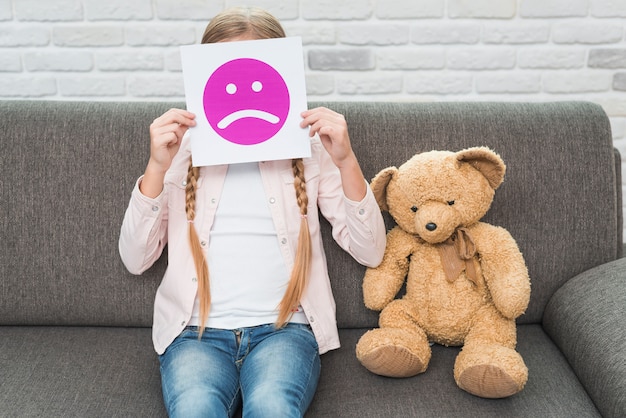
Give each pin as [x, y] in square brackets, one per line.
[431, 226]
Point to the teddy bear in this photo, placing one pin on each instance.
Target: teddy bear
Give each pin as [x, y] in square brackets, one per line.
[466, 280]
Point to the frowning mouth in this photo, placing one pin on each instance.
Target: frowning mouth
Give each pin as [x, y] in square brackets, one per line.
[247, 113]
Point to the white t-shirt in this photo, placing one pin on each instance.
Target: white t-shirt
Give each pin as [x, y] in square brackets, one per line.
[246, 270]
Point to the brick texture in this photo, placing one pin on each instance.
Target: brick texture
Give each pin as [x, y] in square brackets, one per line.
[394, 50]
[607, 58]
[6, 10]
[554, 8]
[619, 81]
[118, 10]
[48, 11]
[482, 8]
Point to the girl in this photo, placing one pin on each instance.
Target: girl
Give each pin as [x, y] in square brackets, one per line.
[245, 307]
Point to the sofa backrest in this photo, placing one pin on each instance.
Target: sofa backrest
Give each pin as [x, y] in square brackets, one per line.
[68, 169]
[561, 197]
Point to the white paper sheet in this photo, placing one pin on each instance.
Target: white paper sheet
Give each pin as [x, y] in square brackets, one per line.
[247, 97]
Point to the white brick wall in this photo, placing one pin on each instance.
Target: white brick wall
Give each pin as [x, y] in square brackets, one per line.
[402, 50]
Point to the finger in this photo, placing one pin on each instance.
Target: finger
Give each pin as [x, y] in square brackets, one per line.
[169, 135]
[318, 110]
[317, 120]
[179, 131]
[311, 116]
[171, 139]
[182, 117]
[328, 131]
[180, 112]
[329, 128]
[322, 112]
[167, 139]
[160, 130]
[315, 127]
[179, 116]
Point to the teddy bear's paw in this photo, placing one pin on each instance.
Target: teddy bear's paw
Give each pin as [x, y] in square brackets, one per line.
[392, 357]
[496, 373]
[488, 381]
[392, 361]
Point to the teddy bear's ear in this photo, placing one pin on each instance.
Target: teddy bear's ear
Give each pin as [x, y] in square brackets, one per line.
[487, 162]
[379, 186]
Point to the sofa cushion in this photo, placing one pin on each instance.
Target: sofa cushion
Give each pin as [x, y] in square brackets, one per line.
[101, 372]
[561, 170]
[586, 319]
[347, 389]
[65, 180]
[68, 169]
[79, 372]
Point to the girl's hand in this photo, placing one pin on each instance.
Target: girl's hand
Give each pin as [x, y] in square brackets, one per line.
[333, 132]
[166, 134]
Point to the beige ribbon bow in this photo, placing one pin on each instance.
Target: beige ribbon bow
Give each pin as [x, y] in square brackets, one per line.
[457, 254]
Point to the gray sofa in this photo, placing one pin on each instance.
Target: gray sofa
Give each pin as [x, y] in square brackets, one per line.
[75, 326]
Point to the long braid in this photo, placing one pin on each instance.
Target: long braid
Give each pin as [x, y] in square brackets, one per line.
[202, 269]
[302, 262]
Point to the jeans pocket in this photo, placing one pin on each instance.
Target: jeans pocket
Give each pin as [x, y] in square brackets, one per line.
[186, 334]
[306, 331]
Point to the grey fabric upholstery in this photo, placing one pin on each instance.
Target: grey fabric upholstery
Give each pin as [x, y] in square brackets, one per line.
[347, 389]
[79, 372]
[585, 318]
[74, 325]
[553, 195]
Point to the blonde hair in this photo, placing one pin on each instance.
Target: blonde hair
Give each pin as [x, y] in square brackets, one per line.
[239, 21]
[260, 25]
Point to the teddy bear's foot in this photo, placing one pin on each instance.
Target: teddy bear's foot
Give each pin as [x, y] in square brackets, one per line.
[393, 352]
[495, 373]
[392, 361]
[488, 381]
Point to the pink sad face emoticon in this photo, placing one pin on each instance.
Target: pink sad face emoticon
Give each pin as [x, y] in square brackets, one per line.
[246, 101]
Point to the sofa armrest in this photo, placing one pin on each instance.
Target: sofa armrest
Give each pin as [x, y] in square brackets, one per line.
[586, 318]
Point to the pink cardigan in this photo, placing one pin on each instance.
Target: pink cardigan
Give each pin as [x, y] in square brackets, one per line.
[150, 224]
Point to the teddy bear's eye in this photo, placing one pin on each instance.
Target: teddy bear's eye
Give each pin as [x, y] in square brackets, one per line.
[450, 202]
[414, 208]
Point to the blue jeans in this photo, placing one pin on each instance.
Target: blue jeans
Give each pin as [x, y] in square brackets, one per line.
[272, 372]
